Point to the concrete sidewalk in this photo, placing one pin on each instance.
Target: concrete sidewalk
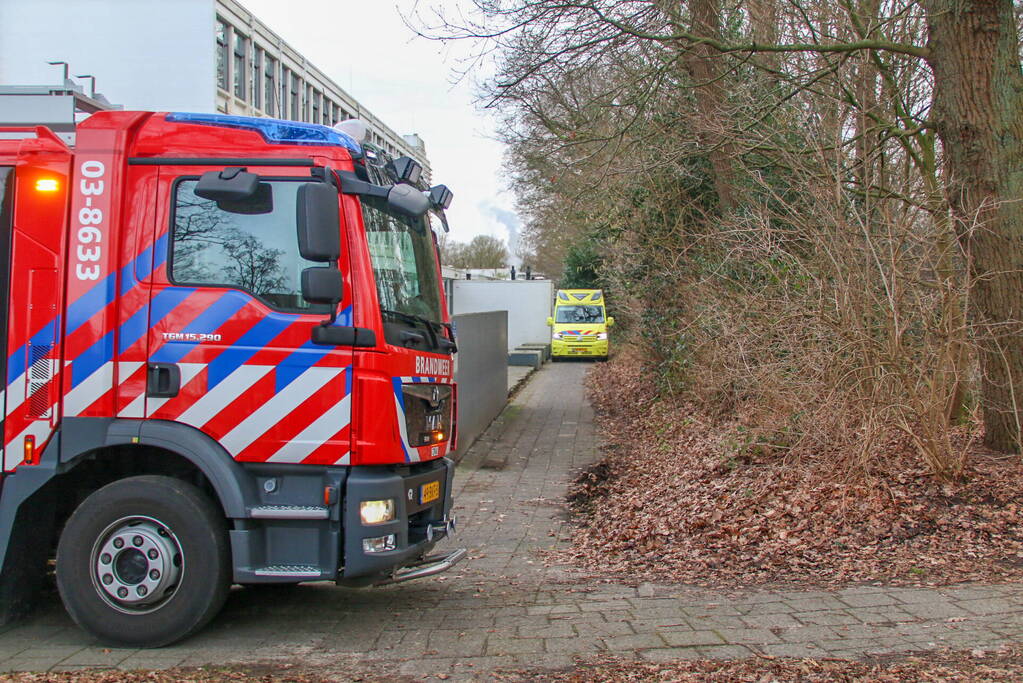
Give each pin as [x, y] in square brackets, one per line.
[504, 607]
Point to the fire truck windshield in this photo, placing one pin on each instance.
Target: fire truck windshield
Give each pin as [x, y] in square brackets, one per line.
[404, 261]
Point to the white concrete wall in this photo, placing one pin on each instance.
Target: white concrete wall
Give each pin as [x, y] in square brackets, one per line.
[528, 302]
[156, 55]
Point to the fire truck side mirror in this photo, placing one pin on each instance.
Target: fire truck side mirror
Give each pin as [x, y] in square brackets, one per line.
[322, 285]
[408, 199]
[318, 222]
[230, 184]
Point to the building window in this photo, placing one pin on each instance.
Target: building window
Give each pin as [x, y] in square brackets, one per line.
[305, 102]
[255, 85]
[270, 86]
[296, 113]
[221, 55]
[240, 49]
[316, 107]
[283, 113]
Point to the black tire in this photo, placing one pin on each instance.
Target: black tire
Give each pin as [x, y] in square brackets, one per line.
[172, 517]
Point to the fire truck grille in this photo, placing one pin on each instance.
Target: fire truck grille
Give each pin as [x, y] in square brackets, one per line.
[427, 412]
[38, 378]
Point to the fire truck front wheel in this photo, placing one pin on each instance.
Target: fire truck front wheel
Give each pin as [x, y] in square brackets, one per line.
[144, 562]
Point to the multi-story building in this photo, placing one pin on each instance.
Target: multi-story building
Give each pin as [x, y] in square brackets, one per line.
[185, 55]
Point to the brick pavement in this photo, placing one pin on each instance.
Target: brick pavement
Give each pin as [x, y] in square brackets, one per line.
[504, 607]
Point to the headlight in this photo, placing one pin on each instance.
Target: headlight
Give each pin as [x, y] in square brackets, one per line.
[376, 511]
[556, 335]
[601, 335]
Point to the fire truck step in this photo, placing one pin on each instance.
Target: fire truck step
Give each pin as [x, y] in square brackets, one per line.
[289, 512]
[295, 571]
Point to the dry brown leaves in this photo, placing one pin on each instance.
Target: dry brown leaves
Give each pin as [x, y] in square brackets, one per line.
[675, 499]
[940, 666]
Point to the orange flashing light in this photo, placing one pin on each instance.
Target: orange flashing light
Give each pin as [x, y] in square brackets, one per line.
[47, 185]
[30, 450]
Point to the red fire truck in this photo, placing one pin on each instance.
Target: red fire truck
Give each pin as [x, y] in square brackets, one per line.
[228, 361]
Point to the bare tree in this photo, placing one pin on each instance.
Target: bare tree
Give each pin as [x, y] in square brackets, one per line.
[483, 251]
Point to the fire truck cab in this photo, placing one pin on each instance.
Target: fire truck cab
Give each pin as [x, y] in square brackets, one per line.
[228, 361]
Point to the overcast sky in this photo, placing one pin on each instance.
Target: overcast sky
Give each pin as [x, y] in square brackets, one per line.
[408, 82]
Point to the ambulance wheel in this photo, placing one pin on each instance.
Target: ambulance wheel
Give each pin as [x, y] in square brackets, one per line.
[144, 562]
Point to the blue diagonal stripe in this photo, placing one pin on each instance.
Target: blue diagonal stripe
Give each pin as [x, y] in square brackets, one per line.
[297, 362]
[142, 265]
[90, 303]
[344, 318]
[250, 343]
[92, 359]
[18, 360]
[399, 395]
[135, 327]
[208, 321]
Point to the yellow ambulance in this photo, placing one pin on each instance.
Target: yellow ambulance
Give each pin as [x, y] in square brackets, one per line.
[579, 324]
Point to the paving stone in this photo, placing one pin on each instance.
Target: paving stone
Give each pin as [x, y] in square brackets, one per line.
[691, 638]
[867, 599]
[573, 645]
[828, 618]
[934, 610]
[914, 595]
[634, 642]
[716, 622]
[27, 664]
[807, 634]
[514, 646]
[555, 629]
[457, 643]
[97, 657]
[815, 603]
[725, 652]
[758, 636]
[605, 628]
[986, 606]
[892, 614]
[609, 606]
[670, 654]
[794, 650]
[755, 620]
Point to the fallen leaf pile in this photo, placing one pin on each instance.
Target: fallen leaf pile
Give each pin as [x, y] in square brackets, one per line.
[674, 500]
[941, 666]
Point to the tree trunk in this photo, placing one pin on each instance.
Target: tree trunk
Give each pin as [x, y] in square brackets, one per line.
[703, 64]
[978, 109]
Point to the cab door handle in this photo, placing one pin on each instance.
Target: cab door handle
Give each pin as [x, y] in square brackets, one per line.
[163, 380]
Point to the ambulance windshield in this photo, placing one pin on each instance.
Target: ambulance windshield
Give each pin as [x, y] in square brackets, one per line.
[580, 314]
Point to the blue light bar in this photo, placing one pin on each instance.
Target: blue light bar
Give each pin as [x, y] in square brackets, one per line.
[274, 131]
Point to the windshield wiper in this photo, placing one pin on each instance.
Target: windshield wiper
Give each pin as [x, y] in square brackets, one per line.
[431, 328]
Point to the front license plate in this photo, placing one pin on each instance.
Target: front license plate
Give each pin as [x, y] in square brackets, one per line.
[429, 492]
[579, 350]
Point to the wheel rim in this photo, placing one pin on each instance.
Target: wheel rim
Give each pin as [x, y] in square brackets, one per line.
[136, 564]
